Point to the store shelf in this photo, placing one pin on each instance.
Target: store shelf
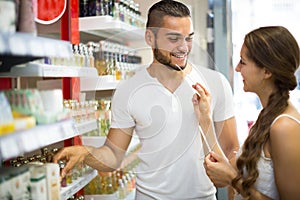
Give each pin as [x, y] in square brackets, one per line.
[44, 70]
[110, 28]
[20, 142]
[98, 83]
[85, 127]
[130, 196]
[17, 48]
[67, 192]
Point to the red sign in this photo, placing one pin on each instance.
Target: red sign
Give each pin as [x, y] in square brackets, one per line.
[49, 11]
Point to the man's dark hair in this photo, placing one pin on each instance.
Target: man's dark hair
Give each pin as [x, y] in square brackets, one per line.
[166, 8]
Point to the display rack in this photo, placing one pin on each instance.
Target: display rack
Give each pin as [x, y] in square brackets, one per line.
[16, 52]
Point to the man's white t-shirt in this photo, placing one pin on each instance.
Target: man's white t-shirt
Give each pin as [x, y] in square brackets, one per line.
[171, 155]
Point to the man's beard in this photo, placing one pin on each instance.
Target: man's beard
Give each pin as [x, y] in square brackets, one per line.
[166, 61]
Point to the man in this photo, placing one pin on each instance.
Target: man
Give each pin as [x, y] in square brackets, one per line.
[156, 103]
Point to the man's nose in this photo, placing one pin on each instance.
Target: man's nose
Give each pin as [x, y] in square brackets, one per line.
[184, 46]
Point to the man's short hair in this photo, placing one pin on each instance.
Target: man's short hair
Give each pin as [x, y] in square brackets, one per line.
[165, 8]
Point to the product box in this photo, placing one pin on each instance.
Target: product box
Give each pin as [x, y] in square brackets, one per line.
[38, 183]
[5, 189]
[20, 183]
[52, 181]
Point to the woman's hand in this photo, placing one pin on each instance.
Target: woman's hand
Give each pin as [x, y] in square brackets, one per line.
[219, 170]
[201, 103]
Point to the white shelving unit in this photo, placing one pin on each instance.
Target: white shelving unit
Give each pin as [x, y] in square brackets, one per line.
[19, 48]
[111, 29]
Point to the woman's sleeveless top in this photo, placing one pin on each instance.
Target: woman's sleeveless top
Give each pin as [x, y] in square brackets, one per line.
[265, 183]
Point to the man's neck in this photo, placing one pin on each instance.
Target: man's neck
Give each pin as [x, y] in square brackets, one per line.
[171, 79]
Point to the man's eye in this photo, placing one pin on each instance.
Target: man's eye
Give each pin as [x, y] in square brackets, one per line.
[189, 39]
[241, 62]
[173, 39]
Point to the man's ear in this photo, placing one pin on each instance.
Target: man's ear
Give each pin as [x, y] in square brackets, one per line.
[150, 38]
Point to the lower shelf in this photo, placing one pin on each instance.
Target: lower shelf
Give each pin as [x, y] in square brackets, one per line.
[130, 196]
[67, 192]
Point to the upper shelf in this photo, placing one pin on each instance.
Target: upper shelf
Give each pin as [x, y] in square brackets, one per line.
[17, 48]
[110, 28]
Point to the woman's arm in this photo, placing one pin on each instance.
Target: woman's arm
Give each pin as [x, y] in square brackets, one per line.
[285, 153]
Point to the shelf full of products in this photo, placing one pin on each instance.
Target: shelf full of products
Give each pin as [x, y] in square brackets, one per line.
[20, 142]
[67, 192]
[18, 48]
[38, 180]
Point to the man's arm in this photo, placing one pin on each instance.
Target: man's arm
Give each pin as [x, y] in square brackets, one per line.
[106, 158]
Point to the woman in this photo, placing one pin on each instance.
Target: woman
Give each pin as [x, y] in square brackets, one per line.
[268, 165]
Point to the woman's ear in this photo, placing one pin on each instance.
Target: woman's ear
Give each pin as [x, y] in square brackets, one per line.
[150, 38]
[268, 74]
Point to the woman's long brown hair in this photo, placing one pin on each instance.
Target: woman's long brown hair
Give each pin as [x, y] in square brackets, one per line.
[275, 49]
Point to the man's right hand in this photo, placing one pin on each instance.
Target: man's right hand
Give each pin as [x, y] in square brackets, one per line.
[72, 155]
